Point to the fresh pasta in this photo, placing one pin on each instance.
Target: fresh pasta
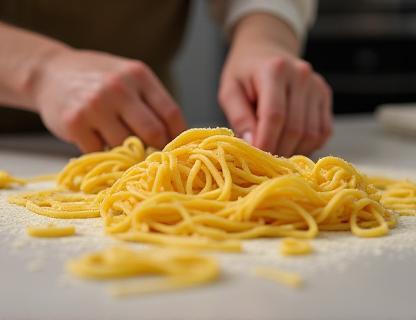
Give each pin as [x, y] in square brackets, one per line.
[208, 184]
[59, 203]
[292, 246]
[208, 190]
[396, 195]
[51, 231]
[97, 171]
[180, 269]
[7, 180]
[289, 279]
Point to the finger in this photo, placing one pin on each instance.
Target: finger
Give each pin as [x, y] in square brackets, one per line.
[89, 140]
[271, 85]
[237, 109]
[112, 129]
[326, 114]
[79, 132]
[159, 100]
[312, 134]
[296, 113]
[145, 124]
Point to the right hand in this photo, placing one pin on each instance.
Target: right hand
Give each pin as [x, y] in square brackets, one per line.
[94, 99]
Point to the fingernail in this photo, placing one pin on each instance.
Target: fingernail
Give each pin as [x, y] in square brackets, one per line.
[248, 137]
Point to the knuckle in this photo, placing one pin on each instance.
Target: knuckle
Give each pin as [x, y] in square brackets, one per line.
[327, 131]
[117, 140]
[313, 137]
[172, 113]
[239, 122]
[112, 81]
[277, 64]
[323, 85]
[93, 105]
[154, 131]
[115, 84]
[306, 67]
[91, 102]
[223, 96]
[294, 132]
[305, 70]
[327, 90]
[275, 115]
[72, 120]
[138, 68]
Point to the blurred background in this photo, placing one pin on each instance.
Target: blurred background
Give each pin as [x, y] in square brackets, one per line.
[366, 49]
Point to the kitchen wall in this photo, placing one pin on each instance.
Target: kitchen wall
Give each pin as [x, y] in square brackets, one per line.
[366, 50]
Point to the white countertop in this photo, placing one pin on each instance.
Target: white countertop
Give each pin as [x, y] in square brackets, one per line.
[347, 277]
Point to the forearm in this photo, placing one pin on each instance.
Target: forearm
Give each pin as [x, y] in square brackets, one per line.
[22, 56]
[265, 29]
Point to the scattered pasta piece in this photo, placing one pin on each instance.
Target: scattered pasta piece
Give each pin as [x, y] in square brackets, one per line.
[7, 180]
[59, 203]
[51, 231]
[291, 246]
[42, 178]
[289, 279]
[399, 196]
[180, 269]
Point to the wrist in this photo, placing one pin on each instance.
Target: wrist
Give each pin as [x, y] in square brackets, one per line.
[37, 73]
[265, 30]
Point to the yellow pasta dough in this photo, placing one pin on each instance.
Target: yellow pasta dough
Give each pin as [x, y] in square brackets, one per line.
[290, 279]
[96, 171]
[291, 246]
[397, 195]
[59, 203]
[180, 269]
[7, 180]
[209, 184]
[208, 190]
[51, 231]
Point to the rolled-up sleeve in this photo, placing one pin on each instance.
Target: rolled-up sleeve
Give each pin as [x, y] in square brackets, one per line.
[298, 14]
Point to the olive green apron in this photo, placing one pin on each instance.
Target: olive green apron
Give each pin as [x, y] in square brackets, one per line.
[148, 30]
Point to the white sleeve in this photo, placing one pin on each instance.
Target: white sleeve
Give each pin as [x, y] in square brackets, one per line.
[298, 14]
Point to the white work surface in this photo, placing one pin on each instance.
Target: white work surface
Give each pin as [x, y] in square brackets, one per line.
[346, 277]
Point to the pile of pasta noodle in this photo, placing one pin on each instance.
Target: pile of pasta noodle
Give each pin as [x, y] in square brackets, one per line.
[179, 268]
[208, 189]
[208, 185]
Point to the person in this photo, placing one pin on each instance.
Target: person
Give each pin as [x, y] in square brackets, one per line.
[97, 72]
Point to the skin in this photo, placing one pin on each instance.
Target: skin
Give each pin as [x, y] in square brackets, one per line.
[97, 99]
[271, 97]
[92, 99]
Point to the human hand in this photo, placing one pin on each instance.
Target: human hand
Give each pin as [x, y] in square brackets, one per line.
[94, 99]
[271, 97]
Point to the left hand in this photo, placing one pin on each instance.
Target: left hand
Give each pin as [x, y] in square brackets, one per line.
[274, 99]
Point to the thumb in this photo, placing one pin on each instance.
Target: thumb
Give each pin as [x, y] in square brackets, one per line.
[238, 109]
